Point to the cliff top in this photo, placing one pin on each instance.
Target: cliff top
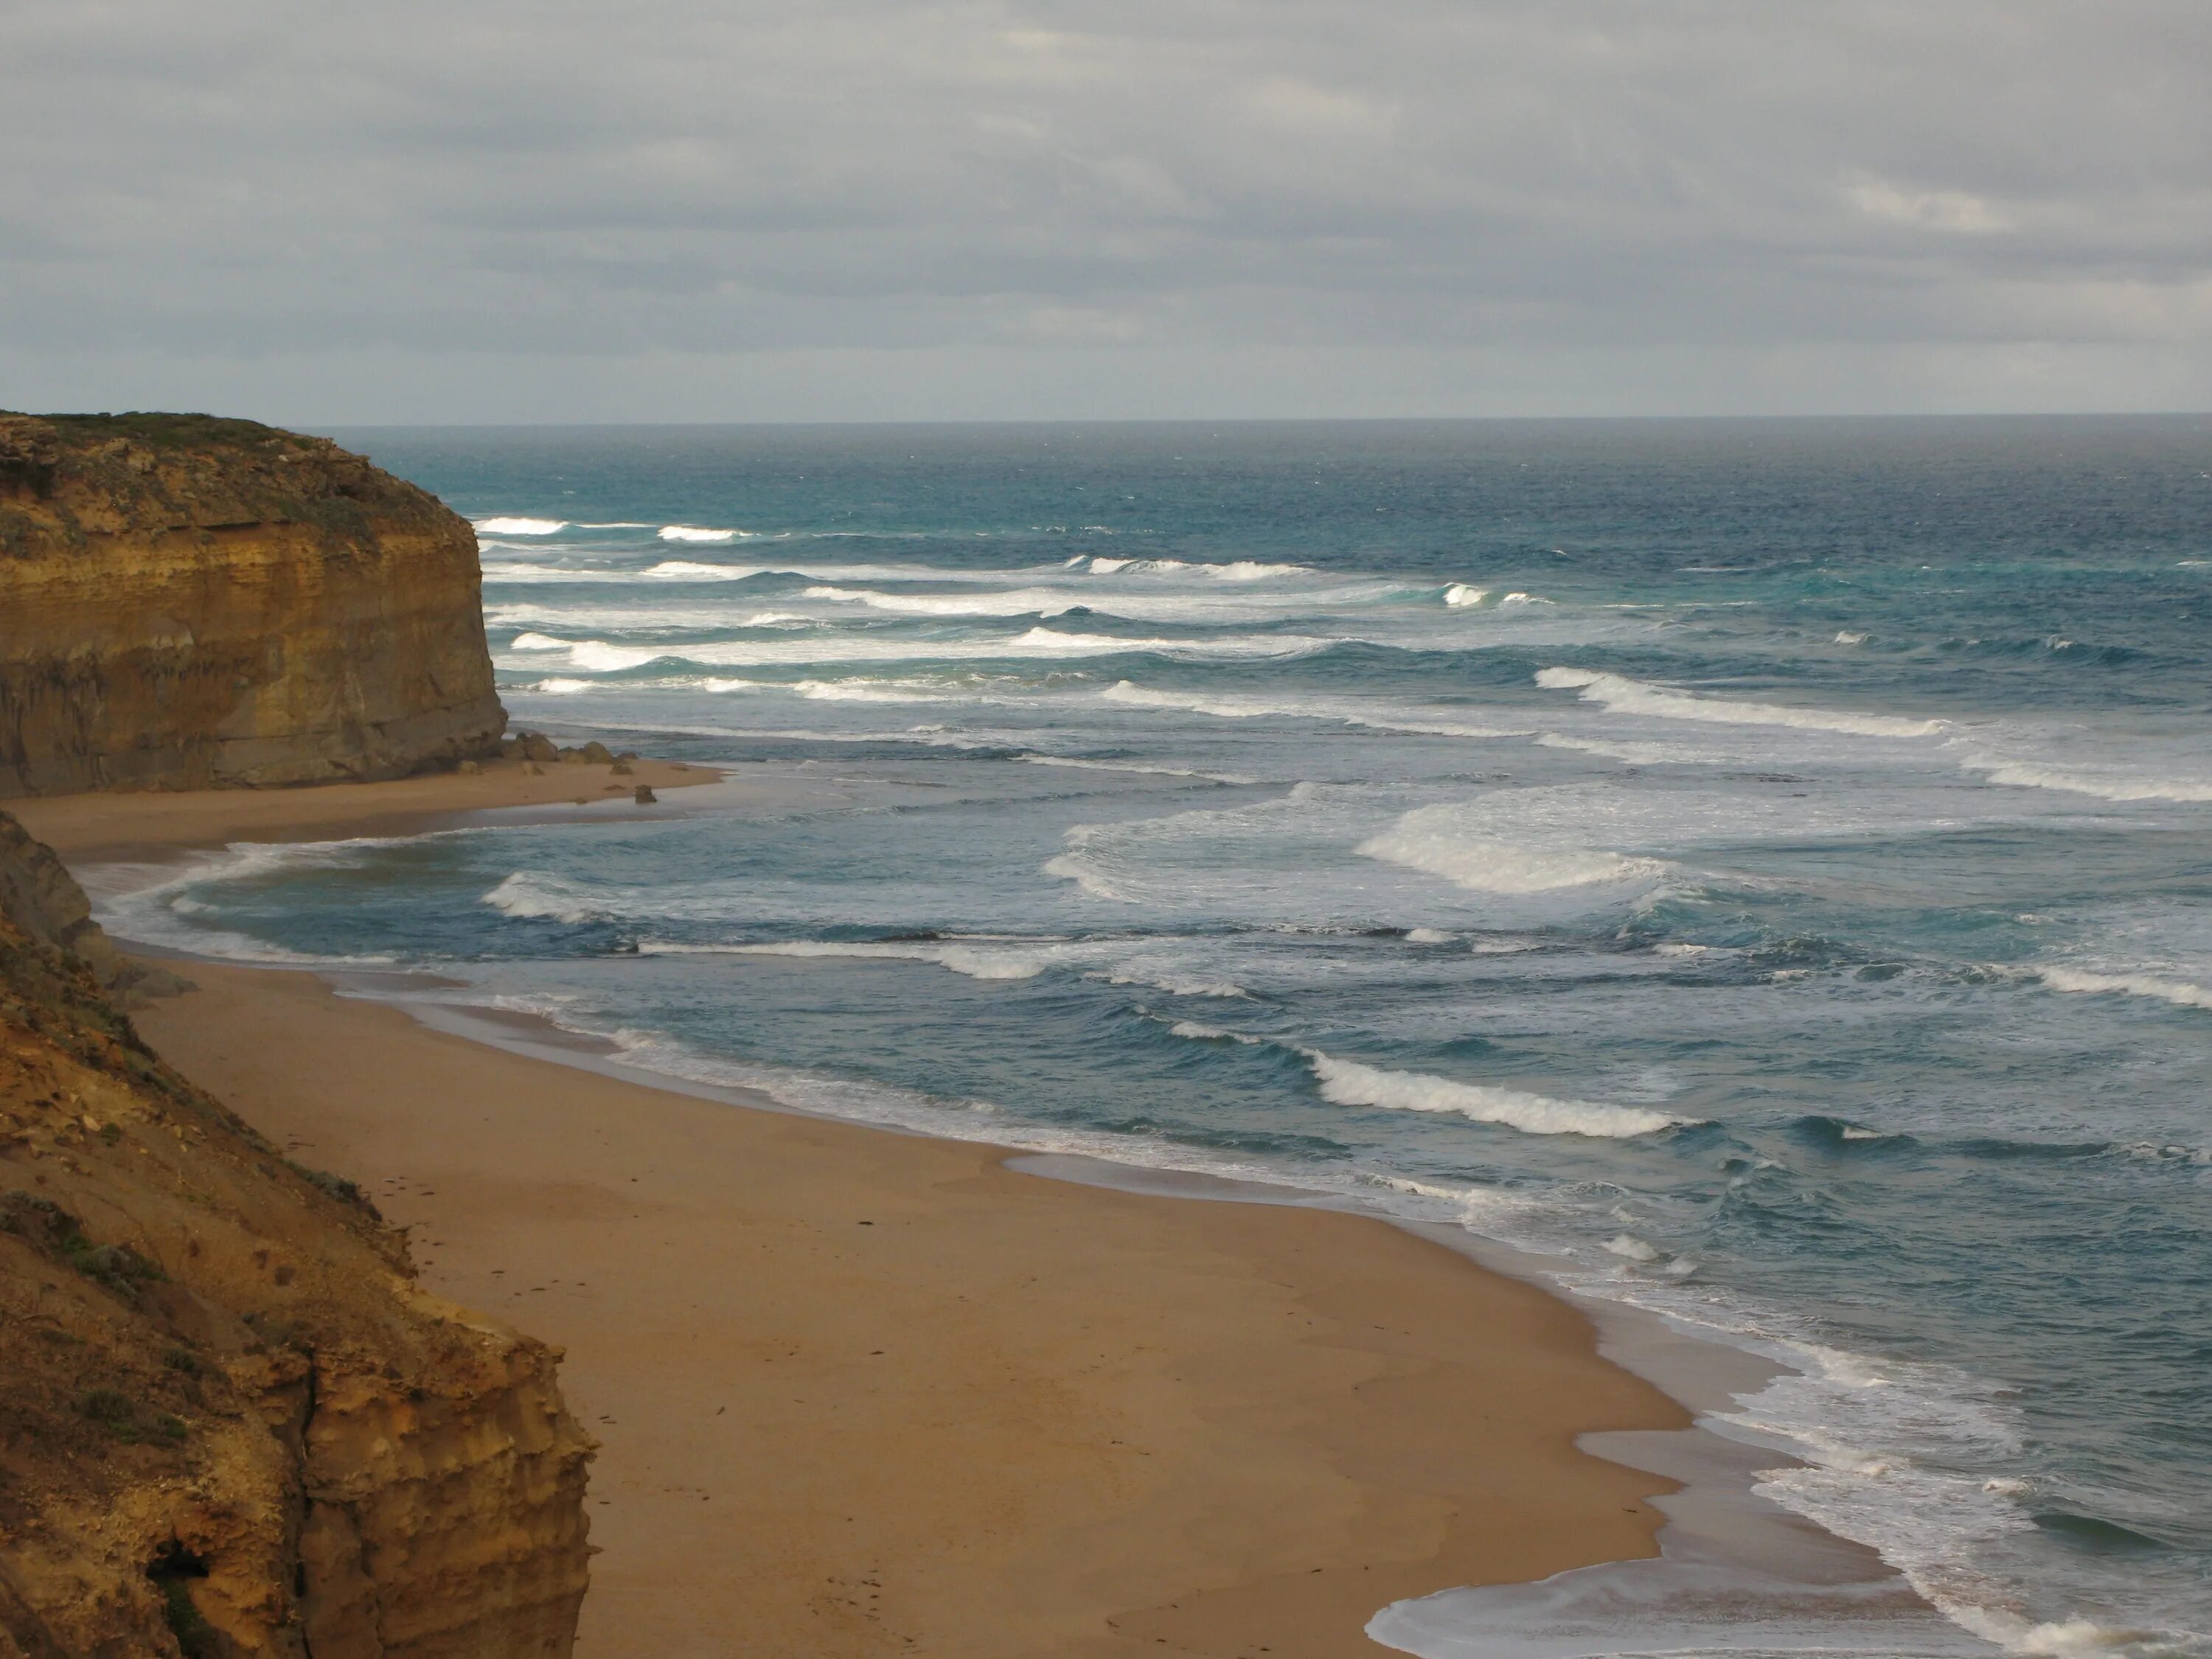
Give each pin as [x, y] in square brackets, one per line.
[66, 479]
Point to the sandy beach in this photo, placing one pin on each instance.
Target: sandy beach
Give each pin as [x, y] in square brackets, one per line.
[860, 1392]
[96, 828]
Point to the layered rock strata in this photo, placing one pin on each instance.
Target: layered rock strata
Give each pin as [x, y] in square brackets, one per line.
[230, 1422]
[188, 602]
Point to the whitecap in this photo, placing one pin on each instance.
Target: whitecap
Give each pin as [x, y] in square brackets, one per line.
[538, 642]
[2104, 785]
[1133, 767]
[1343, 711]
[521, 526]
[690, 532]
[1624, 695]
[1459, 593]
[1348, 1083]
[1845, 636]
[604, 656]
[1436, 841]
[1633, 754]
[530, 896]
[2181, 992]
[1235, 570]
[1634, 1248]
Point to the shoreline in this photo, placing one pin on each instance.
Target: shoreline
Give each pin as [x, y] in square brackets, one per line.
[139, 825]
[1367, 1447]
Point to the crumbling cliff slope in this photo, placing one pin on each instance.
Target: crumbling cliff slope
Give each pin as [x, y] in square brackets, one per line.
[230, 1424]
[187, 602]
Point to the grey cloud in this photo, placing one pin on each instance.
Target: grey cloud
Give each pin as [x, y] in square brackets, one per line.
[957, 207]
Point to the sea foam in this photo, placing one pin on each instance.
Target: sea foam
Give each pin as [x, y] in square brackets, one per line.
[1436, 841]
[2177, 991]
[1624, 695]
[692, 532]
[2104, 785]
[1348, 1083]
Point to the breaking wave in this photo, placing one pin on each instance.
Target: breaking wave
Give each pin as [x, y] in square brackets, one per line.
[1348, 1083]
[2106, 786]
[1624, 695]
[1436, 840]
[2179, 991]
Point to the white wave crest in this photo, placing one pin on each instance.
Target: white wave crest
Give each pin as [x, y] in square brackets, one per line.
[521, 526]
[561, 688]
[2104, 785]
[1459, 593]
[1131, 766]
[977, 961]
[2179, 991]
[1013, 602]
[1436, 840]
[692, 532]
[989, 958]
[1623, 696]
[1343, 711]
[538, 642]
[1348, 1083]
[690, 570]
[528, 896]
[604, 656]
[1236, 570]
[1633, 754]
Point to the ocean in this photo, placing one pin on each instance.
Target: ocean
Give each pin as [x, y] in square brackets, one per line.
[1760, 870]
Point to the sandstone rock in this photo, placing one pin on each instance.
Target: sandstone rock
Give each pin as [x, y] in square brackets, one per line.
[192, 602]
[41, 899]
[468, 769]
[227, 1415]
[644, 796]
[536, 746]
[622, 768]
[598, 754]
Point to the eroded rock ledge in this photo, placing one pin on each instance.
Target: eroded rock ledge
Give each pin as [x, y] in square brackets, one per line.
[230, 1422]
[188, 602]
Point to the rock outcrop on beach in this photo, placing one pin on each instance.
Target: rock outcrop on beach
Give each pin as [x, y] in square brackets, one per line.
[188, 602]
[230, 1423]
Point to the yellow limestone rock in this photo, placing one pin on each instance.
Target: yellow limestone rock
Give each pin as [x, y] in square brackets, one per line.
[188, 602]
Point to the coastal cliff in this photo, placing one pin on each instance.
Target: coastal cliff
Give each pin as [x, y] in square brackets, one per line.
[230, 1423]
[188, 602]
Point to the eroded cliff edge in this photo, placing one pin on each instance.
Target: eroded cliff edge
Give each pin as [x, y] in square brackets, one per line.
[230, 1423]
[188, 602]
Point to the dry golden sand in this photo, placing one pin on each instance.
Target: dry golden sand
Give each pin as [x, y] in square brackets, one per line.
[862, 1392]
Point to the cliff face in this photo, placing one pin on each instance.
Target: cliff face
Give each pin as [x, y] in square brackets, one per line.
[187, 602]
[230, 1424]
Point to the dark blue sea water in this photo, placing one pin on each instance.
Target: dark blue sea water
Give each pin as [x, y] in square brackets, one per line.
[1766, 865]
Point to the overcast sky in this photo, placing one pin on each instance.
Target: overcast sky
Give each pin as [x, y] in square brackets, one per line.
[733, 209]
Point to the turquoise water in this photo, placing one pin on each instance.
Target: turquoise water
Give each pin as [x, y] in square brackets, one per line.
[1762, 864]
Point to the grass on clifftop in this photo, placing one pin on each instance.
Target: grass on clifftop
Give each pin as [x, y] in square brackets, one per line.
[160, 431]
